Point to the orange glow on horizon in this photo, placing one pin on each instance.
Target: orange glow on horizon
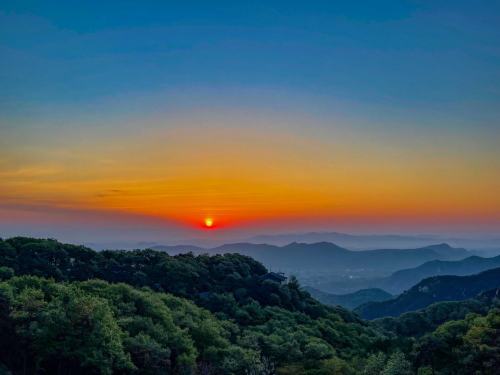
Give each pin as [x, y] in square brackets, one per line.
[269, 179]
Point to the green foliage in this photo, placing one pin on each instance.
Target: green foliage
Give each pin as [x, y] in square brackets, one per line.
[108, 328]
[338, 366]
[6, 273]
[465, 346]
[375, 364]
[397, 365]
[417, 323]
[7, 254]
[142, 329]
[425, 370]
[71, 310]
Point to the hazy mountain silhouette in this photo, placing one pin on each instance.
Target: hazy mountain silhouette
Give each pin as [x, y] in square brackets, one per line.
[366, 242]
[430, 290]
[482, 247]
[351, 300]
[402, 280]
[328, 256]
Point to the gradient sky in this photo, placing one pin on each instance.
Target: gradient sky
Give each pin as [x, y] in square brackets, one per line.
[138, 120]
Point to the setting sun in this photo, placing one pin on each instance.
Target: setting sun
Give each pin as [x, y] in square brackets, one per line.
[208, 222]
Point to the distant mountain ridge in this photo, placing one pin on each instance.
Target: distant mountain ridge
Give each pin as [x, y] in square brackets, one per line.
[329, 256]
[430, 290]
[484, 246]
[402, 280]
[351, 300]
[361, 242]
[366, 242]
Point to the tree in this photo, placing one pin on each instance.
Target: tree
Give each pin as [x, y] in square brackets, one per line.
[293, 283]
[337, 366]
[7, 254]
[75, 328]
[318, 349]
[374, 364]
[397, 365]
[483, 341]
[6, 273]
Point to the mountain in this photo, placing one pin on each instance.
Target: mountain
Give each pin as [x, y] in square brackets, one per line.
[416, 323]
[419, 322]
[489, 297]
[366, 242]
[329, 256]
[326, 255]
[430, 290]
[484, 247]
[322, 255]
[402, 280]
[349, 301]
[332, 265]
[359, 242]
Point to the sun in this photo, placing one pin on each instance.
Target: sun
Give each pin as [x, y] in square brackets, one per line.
[209, 222]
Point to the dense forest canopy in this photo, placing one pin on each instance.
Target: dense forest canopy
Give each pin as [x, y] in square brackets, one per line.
[67, 309]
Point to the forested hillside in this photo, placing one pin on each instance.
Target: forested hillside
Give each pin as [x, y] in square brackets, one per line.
[416, 323]
[253, 321]
[66, 309]
[464, 347]
[403, 280]
[431, 290]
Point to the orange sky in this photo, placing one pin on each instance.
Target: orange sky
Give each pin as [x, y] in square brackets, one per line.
[240, 172]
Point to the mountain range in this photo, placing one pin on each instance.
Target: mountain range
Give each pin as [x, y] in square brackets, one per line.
[367, 242]
[402, 280]
[328, 256]
[431, 290]
[483, 246]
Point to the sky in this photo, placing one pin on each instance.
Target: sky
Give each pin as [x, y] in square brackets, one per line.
[140, 120]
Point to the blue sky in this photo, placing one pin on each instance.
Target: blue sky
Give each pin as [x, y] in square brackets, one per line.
[402, 53]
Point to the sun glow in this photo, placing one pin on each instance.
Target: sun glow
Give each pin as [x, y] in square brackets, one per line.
[208, 222]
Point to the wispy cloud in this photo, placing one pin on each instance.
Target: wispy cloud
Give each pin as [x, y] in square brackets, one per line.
[111, 192]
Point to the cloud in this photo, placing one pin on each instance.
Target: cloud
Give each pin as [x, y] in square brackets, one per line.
[112, 192]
